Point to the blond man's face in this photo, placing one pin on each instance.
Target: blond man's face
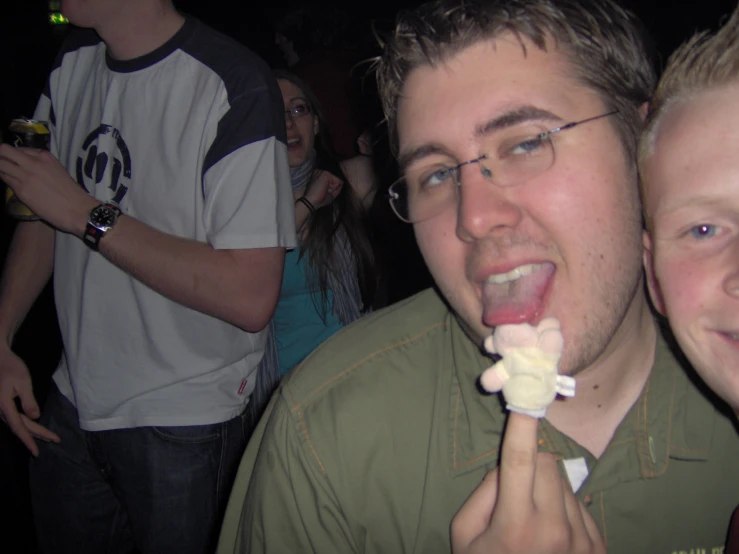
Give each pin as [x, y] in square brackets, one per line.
[692, 253]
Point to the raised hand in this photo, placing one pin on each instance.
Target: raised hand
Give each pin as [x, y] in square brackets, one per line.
[45, 186]
[524, 505]
[323, 188]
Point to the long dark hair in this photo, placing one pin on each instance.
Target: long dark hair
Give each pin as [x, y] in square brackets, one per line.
[345, 213]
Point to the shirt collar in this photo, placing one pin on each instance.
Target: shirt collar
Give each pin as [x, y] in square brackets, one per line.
[670, 419]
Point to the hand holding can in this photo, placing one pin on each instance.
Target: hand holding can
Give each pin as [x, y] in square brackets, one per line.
[27, 133]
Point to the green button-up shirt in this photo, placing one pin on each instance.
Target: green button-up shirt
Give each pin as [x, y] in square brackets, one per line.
[374, 443]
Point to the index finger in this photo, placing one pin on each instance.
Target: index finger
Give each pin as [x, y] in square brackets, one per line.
[15, 154]
[518, 461]
[39, 431]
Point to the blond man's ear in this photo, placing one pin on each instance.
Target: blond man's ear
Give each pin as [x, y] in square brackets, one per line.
[652, 282]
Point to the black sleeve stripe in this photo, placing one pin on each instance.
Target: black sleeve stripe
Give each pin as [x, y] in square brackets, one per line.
[256, 109]
[250, 119]
[237, 66]
[78, 38]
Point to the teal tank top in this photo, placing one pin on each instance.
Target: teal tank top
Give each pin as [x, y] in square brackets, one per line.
[299, 327]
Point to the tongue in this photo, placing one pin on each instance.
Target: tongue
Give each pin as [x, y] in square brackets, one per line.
[518, 301]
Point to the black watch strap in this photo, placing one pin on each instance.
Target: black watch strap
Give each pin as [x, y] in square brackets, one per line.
[94, 233]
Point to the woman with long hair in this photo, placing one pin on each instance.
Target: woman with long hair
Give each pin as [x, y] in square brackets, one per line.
[329, 279]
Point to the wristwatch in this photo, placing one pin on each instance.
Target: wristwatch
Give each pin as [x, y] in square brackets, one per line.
[102, 218]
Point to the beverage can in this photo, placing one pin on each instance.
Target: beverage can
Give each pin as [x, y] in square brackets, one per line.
[29, 133]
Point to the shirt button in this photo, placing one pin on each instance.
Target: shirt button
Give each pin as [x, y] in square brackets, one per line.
[587, 500]
[540, 442]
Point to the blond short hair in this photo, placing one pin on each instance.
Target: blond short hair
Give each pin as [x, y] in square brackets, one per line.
[705, 62]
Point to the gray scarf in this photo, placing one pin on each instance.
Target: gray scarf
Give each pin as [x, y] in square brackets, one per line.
[300, 176]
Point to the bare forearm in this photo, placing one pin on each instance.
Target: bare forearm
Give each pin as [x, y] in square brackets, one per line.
[302, 213]
[28, 268]
[360, 173]
[238, 286]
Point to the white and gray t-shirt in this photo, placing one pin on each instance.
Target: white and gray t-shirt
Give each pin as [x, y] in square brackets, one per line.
[189, 139]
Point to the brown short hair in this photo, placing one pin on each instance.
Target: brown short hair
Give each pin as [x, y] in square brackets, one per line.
[705, 62]
[606, 45]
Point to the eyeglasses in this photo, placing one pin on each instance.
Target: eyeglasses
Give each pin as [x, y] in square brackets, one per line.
[512, 156]
[298, 111]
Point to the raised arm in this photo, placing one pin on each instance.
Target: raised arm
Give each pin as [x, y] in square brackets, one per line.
[524, 505]
[360, 173]
[238, 286]
[322, 190]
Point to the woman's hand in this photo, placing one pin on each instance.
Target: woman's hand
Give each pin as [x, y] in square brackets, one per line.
[323, 188]
[321, 191]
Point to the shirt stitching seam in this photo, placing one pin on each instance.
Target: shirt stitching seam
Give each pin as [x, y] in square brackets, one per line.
[669, 425]
[363, 360]
[638, 442]
[477, 458]
[456, 421]
[696, 450]
[646, 430]
[458, 465]
[622, 442]
[603, 519]
[304, 427]
[547, 439]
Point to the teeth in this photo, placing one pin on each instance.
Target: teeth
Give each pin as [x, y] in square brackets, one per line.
[513, 274]
[293, 141]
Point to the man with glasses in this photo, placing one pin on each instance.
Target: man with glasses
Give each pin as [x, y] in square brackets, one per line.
[515, 126]
[514, 153]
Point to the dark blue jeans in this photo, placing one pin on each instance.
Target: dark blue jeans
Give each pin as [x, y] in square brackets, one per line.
[151, 489]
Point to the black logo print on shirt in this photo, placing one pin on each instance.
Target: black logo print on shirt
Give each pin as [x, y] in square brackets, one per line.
[105, 156]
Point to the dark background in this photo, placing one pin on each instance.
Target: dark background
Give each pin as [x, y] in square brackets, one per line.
[28, 44]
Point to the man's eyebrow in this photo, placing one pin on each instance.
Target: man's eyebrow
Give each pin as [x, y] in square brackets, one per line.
[506, 119]
[689, 200]
[407, 158]
[514, 117]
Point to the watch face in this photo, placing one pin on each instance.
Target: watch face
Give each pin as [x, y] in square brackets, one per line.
[103, 216]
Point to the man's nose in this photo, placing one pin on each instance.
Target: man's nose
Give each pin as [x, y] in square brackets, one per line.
[483, 208]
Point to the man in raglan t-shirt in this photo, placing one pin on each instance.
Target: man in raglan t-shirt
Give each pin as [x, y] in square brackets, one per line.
[165, 209]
